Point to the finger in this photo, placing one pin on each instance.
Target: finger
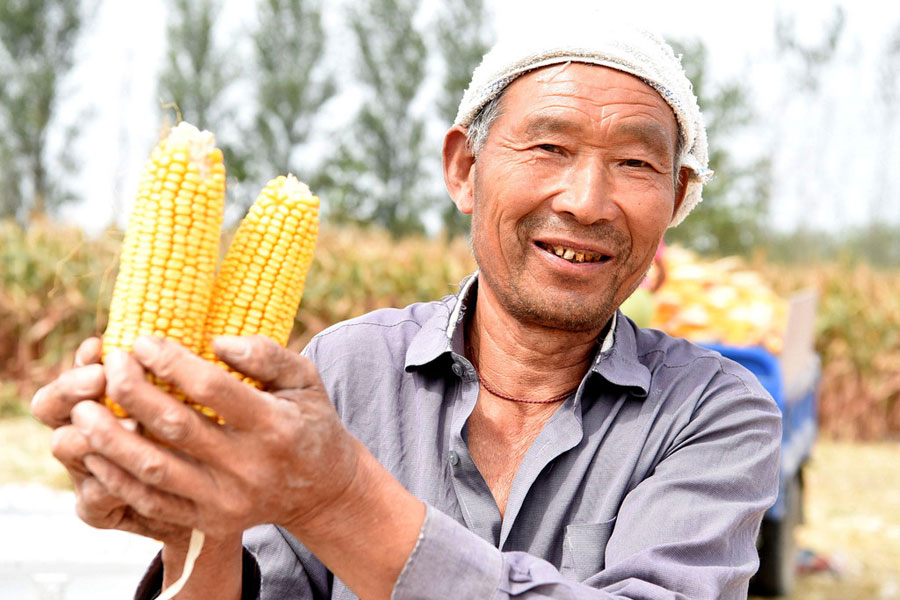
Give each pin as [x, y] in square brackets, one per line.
[147, 500]
[169, 420]
[52, 403]
[203, 382]
[264, 360]
[88, 352]
[69, 447]
[154, 466]
[96, 506]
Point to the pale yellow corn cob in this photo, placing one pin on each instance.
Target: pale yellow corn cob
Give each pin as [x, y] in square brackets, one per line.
[168, 262]
[261, 280]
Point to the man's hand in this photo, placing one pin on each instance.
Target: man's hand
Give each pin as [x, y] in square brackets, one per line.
[52, 405]
[282, 457]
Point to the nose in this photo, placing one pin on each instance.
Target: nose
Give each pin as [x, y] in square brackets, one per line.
[587, 193]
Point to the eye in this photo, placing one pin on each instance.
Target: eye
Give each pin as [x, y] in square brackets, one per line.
[635, 163]
[551, 148]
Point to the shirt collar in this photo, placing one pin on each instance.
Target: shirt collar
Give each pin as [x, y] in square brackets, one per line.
[443, 332]
[616, 359]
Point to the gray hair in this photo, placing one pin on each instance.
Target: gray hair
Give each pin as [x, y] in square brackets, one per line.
[476, 134]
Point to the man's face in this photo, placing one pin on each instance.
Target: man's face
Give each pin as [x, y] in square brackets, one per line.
[579, 163]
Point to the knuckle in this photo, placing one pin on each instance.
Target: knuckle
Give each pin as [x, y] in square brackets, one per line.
[263, 344]
[266, 357]
[153, 469]
[147, 505]
[101, 434]
[120, 384]
[173, 424]
[284, 360]
[207, 383]
[171, 355]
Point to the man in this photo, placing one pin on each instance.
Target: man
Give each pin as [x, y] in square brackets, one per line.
[520, 439]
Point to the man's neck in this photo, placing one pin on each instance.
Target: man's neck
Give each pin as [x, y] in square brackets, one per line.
[525, 360]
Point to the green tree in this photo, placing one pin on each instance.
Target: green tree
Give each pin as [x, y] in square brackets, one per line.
[813, 57]
[196, 73]
[377, 174]
[291, 85]
[37, 40]
[463, 36]
[196, 70]
[732, 217]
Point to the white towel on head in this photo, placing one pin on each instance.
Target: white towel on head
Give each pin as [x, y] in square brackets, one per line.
[590, 36]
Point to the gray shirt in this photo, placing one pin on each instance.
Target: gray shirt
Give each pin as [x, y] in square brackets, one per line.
[649, 482]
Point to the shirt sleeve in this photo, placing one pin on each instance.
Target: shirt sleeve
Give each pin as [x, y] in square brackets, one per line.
[687, 531]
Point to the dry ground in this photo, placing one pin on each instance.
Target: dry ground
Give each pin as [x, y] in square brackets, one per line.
[852, 505]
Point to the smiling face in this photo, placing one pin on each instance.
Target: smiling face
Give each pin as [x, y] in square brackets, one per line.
[571, 194]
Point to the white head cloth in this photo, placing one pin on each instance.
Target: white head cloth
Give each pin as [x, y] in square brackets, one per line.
[615, 44]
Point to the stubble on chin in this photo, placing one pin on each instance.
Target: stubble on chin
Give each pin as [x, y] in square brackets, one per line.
[531, 306]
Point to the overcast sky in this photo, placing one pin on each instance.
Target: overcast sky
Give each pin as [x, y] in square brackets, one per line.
[826, 148]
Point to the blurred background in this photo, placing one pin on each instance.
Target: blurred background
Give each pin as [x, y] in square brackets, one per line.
[802, 103]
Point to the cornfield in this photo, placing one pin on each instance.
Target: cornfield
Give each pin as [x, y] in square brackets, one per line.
[858, 340]
[55, 285]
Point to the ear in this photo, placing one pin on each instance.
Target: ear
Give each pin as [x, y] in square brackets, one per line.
[459, 169]
[681, 189]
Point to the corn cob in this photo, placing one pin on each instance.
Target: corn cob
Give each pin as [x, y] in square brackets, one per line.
[168, 262]
[261, 280]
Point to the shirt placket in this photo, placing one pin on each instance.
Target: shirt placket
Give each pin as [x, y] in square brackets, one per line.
[560, 434]
[475, 498]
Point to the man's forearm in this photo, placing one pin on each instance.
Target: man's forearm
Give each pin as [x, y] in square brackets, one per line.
[367, 536]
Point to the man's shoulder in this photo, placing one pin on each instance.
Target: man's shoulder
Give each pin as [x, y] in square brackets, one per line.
[670, 357]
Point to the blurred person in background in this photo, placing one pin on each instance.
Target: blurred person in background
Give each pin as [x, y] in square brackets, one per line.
[521, 438]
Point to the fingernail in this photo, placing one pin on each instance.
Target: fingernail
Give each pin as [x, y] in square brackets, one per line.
[232, 347]
[146, 347]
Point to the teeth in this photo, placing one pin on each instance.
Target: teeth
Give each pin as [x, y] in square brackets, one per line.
[576, 256]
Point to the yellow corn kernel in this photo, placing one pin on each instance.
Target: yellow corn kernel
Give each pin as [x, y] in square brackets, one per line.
[168, 257]
[246, 300]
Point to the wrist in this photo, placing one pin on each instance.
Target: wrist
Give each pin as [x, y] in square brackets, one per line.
[217, 570]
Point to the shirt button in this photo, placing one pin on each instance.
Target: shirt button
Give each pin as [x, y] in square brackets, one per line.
[457, 370]
[454, 458]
